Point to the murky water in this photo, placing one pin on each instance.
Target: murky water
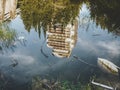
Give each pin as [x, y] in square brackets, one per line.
[49, 35]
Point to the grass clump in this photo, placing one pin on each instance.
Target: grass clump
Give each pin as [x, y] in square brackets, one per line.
[7, 36]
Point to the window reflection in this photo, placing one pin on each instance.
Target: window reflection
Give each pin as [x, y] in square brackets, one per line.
[62, 39]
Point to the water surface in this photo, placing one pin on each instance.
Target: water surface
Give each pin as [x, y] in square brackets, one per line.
[87, 30]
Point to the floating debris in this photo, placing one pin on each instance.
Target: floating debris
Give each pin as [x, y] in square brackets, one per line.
[83, 61]
[108, 66]
[102, 85]
[21, 38]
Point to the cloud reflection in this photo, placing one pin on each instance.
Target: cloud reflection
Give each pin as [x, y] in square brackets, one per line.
[112, 48]
[23, 59]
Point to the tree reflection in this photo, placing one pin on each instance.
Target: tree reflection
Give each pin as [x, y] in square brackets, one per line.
[40, 13]
[7, 38]
[106, 14]
[35, 12]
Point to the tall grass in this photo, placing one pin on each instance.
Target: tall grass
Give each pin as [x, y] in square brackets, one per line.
[7, 36]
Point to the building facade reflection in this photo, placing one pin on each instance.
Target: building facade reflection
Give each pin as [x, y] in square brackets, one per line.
[62, 39]
[8, 9]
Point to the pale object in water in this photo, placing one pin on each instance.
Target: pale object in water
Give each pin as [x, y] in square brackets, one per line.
[21, 38]
[108, 66]
[102, 85]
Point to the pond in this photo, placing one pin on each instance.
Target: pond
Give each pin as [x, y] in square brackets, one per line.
[58, 40]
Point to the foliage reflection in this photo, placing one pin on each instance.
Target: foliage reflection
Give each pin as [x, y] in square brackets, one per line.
[41, 13]
[106, 14]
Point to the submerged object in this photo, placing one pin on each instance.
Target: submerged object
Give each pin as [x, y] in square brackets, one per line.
[108, 66]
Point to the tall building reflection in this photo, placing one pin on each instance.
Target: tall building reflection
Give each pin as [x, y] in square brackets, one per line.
[8, 9]
[62, 39]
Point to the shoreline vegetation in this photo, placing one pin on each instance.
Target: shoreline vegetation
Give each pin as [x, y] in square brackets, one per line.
[7, 36]
[38, 83]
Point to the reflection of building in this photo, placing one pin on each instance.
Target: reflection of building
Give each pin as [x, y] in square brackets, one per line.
[62, 40]
[7, 9]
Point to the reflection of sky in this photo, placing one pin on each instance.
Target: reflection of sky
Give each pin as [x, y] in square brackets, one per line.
[92, 39]
[31, 61]
[93, 42]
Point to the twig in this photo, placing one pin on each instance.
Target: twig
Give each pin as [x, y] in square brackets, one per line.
[102, 85]
[84, 61]
[48, 86]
